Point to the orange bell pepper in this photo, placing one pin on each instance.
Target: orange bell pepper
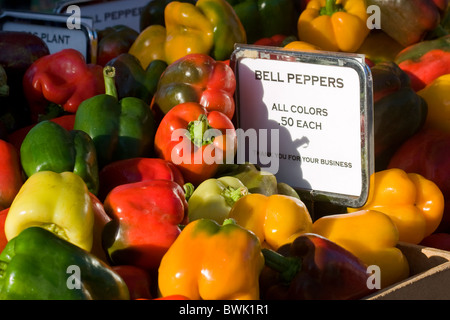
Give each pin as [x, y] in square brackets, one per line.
[414, 203]
[276, 219]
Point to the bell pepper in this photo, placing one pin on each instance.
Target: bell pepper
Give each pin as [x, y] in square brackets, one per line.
[149, 45]
[38, 265]
[313, 268]
[59, 202]
[132, 80]
[113, 41]
[437, 96]
[212, 262]
[120, 129]
[137, 280]
[195, 140]
[398, 111]
[50, 147]
[135, 170]
[425, 61]
[396, 18]
[300, 45]
[275, 220]
[379, 47]
[334, 25]
[153, 13]
[63, 78]
[210, 27]
[214, 198]
[145, 222]
[414, 203]
[265, 18]
[276, 40]
[196, 78]
[3, 239]
[10, 174]
[372, 237]
[428, 154]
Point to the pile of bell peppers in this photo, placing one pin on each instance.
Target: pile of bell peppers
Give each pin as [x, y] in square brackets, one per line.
[124, 167]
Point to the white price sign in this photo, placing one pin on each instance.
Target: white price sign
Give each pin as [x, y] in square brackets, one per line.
[315, 112]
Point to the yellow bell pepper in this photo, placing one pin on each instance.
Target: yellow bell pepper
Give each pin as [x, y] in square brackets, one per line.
[59, 202]
[149, 45]
[372, 237]
[437, 96]
[414, 203]
[300, 45]
[276, 219]
[212, 262]
[334, 25]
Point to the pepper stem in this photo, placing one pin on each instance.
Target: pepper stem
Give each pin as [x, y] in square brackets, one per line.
[288, 267]
[330, 8]
[231, 195]
[188, 190]
[109, 72]
[197, 129]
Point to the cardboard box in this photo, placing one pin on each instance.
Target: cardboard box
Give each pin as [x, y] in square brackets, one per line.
[429, 279]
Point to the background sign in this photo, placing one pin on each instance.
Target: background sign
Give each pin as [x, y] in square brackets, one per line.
[317, 108]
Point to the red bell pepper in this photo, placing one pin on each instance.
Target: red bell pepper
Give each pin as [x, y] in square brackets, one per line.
[63, 78]
[195, 140]
[10, 174]
[137, 280]
[145, 221]
[274, 41]
[196, 78]
[3, 239]
[135, 170]
[428, 154]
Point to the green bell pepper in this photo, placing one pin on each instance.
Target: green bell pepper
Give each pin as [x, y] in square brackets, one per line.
[50, 147]
[38, 265]
[132, 80]
[153, 13]
[121, 129]
[213, 198]
[265, 18]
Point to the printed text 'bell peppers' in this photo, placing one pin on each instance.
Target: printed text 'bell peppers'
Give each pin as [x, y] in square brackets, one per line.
[63, 78]
[275, 219]
[334, 25]
[50, 147]
[196, 78]
[145, 221]
[38, 265]
[120, 129]
[372, 237]
[59, 202]
[10, 174]
[195, 140]
[212, 262]
[414, 203]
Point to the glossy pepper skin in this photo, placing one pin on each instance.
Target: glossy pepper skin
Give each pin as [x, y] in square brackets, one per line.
[149, 45]
[63, 78]
[50, 147]
[113, 41]
[425, 61]
[195, 140]
[196, 78]
[59, 202]
[145, 222]
[134, 170]
[120, 129]
[334, 25]
[428, 153]
[212, 262]
[276, 219]
[132, 80]
[10, 174]
[266, 18]
[398, 112]
[38, 265]
[153, 13]
[313, 268]
[372, 237]
[214, 198]
[396, 17]
[210, 27]
[414, 203]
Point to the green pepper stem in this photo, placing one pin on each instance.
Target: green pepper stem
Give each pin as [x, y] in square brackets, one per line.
[288, 267]
[330, 8]
[188, 190]
[197, 129]
[109, 72]
[231, 195]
